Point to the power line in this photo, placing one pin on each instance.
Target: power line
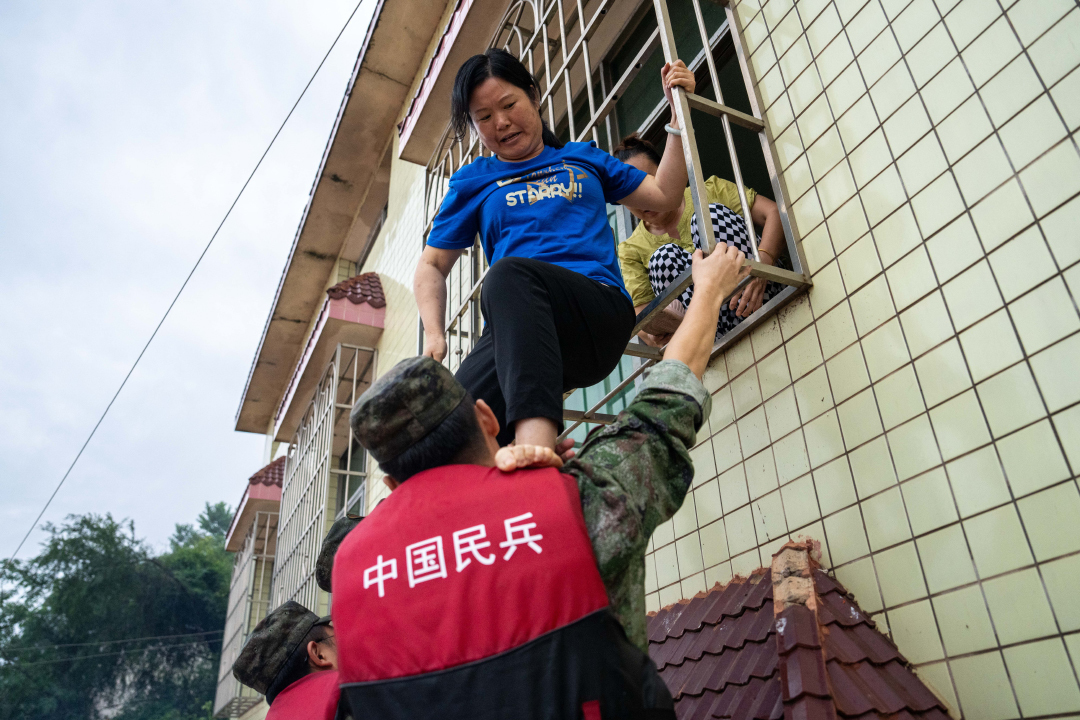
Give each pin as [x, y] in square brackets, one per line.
[184, 285]
[109, 642]
[108, 654]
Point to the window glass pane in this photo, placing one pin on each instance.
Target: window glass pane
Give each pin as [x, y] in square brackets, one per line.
[355, 482]
[613, 222]
[584, 398]
[348, 485]
[712, 147]
[645, 92]
[357, 506]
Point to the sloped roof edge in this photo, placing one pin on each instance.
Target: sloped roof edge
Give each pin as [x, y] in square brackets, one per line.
[272, 474]
[364, 288]
[311, 195]
[351, 165]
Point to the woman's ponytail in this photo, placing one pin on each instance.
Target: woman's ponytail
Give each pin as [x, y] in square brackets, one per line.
[549, 137]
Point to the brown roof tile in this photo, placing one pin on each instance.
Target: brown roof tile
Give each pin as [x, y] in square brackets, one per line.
[721, 656]
[360, 289]
[717, 652]
[272, 474]
[758, 699]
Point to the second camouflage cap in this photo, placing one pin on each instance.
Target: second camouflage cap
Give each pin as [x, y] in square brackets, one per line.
[272, 643]
[324, 565]
[404, 405]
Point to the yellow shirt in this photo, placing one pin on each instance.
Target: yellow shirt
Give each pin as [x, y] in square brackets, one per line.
[635, 251]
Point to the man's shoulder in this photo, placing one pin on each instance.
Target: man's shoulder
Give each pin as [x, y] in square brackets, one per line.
[304, 694]
[666, 397]
[675, 377]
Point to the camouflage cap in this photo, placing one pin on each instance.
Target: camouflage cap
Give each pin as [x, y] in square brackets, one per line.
[272, 643]
[404, 405]
[324, 565]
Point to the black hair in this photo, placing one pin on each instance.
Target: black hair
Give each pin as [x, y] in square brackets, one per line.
[633, 145]
[496, 63]
[297, 666]
[452, 440]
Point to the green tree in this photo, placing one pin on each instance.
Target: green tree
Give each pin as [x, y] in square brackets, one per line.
[95, 583]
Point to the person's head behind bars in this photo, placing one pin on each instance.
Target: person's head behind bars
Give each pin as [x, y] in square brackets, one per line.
[418, 416]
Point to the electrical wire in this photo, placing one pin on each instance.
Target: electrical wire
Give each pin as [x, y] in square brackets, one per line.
[108, 654]
[184, 285]
[109, 642]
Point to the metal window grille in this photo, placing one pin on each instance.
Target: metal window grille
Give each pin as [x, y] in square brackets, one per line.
[552, 38]
[321, 464]
[249, 601]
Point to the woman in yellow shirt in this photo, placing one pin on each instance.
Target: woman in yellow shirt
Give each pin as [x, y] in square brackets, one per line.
[660, 246]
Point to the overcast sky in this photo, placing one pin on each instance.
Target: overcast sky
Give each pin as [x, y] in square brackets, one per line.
[126, 129]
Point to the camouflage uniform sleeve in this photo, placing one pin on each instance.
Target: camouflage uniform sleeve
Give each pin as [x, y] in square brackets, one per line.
[633, 475]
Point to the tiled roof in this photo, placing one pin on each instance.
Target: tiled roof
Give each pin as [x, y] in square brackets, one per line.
[717, 652]
[721, 656]
[360, 289]
[272, 474]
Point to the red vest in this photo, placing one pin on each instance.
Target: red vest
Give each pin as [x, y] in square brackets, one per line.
[312, 697]
[474, 593]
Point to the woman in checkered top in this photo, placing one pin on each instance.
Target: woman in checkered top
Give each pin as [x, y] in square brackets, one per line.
[660, 247]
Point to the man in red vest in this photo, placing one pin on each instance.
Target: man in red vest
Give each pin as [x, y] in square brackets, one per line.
[476, 593]
[291, 658]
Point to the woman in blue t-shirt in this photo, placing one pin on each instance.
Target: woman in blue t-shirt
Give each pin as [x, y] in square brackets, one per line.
[557, 315]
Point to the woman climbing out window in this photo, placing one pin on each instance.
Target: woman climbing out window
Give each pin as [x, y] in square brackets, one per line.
[659, 249]
[557, 315]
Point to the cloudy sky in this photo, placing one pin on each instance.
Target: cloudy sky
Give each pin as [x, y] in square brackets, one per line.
[126, 129]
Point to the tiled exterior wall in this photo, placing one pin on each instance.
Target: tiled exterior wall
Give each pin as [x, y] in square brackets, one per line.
[917, 411]
[394, 257]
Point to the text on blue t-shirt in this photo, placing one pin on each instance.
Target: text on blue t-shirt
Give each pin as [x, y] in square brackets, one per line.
[551, 208]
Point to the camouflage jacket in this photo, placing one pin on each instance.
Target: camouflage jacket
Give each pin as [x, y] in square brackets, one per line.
[632, 476]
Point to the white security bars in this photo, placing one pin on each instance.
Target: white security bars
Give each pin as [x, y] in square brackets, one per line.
[249, 602]
[556, 41]
[322, 466]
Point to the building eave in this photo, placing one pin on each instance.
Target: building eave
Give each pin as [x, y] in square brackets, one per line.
[471, 27]
[341, 206]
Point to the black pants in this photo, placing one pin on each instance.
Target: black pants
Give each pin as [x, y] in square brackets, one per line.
[548, 330]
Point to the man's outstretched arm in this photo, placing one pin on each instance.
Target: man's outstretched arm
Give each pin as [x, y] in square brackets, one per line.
[715, 277]
[641, 464]
[634, 474]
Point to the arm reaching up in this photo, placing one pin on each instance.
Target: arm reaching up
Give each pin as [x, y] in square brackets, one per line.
[429, 286]
[715, 277]
[664, 191]
[634, 474]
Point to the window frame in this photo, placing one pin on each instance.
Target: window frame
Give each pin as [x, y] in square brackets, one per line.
[463, 322]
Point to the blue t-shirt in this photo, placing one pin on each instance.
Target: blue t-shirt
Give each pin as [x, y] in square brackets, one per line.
[551, 208]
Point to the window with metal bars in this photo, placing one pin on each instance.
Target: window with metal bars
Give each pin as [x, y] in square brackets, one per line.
[598, 67]
[325, 476]
[249, 602]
